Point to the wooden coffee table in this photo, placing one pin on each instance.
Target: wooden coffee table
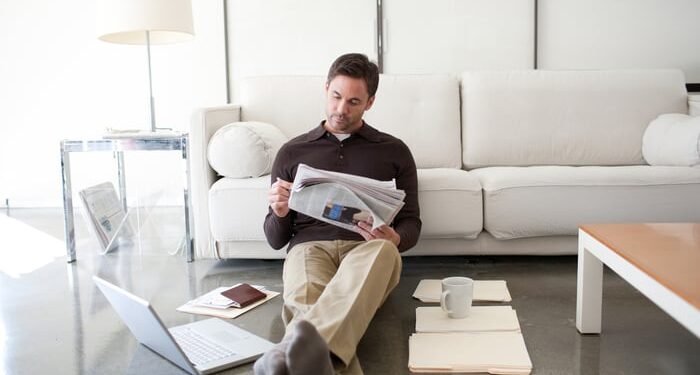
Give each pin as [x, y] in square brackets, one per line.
[660, 260]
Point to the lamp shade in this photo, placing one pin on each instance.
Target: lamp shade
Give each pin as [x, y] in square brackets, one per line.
[126, 21]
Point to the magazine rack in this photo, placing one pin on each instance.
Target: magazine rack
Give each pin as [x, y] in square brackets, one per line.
[119, 145]
[106, 217]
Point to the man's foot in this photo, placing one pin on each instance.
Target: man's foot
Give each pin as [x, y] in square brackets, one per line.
[307, 352]
[273, 362]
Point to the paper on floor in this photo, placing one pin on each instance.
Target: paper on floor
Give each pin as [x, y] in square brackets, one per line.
[484, 290]
[492, 352]
[480, 319]
[193, 307]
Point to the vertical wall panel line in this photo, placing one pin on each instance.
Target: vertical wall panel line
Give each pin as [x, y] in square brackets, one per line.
[536, 34]
[380, 37]
[226, 54]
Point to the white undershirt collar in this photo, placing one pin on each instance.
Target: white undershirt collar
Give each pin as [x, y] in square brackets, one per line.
[341, 136]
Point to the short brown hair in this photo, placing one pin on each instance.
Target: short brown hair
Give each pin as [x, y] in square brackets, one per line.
[356, 65]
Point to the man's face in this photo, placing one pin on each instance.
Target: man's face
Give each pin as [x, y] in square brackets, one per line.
[347, 100]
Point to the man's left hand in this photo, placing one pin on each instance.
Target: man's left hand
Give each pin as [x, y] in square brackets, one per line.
[384, 232]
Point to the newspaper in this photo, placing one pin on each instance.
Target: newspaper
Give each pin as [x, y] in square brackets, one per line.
[104, 213]
[343, 199]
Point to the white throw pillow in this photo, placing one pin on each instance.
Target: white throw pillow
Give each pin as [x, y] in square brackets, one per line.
[244, 149]
[672, 139]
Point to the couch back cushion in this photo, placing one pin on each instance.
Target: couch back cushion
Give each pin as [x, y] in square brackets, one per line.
[295, 104]
[522, 118]
[421, 110]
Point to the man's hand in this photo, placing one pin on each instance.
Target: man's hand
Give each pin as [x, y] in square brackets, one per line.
[278, 196]
[384, 232]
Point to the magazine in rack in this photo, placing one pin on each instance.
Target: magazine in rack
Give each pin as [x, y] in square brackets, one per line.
[105, 215]
[343, 199]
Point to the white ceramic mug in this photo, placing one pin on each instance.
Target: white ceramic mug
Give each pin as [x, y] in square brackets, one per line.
[457, 294]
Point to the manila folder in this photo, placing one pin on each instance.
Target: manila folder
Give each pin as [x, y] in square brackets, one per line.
[492, 352]
[480, 319]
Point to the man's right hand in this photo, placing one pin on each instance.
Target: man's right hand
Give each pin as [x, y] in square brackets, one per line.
[278, 196]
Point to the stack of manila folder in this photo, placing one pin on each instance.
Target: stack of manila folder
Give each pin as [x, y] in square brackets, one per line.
[429, 291]
[489, 340]
[492, 352]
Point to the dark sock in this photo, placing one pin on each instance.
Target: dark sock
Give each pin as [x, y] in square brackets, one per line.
[307, 353]
[273, 362]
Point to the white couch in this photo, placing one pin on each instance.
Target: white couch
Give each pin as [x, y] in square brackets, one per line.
[509, 162]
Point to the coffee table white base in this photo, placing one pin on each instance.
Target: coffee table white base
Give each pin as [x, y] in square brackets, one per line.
[589, 288]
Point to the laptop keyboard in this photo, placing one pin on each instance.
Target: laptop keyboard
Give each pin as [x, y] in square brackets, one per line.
[198, 348]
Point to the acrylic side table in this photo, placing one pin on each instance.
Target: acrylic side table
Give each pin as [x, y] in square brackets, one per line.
[175, 142]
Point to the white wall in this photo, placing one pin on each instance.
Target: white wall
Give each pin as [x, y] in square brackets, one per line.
[272, 37]
[612, 34]
[450, 36]
[59, 81]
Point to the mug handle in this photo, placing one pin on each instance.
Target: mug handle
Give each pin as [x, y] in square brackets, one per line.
[443, 301]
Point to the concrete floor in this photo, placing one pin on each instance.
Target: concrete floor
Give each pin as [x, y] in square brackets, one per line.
[53, 318]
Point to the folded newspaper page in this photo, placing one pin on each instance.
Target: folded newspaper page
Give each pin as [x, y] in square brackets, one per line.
[105, 215]
[343, 199]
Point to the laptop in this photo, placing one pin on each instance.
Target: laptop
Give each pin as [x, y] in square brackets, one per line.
[202, 347]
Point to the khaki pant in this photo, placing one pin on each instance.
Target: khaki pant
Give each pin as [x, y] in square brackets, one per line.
[338, 286]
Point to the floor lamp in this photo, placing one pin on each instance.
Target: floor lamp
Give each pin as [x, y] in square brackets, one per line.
[145, 22]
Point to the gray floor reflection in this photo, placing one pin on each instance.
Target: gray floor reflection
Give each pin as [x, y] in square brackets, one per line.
[78, 340]
[586, 354]
[146, 361]
[77, 332]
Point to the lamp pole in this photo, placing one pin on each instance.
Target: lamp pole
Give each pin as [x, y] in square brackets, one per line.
[151, 104]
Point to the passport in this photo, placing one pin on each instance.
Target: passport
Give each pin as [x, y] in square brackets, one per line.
[243, 295]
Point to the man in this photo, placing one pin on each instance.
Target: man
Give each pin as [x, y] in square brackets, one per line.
[336, 279]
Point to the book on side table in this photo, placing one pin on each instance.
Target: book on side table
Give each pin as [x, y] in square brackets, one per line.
[141, 134]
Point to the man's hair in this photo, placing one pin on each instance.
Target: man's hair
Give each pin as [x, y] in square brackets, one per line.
[356, 65]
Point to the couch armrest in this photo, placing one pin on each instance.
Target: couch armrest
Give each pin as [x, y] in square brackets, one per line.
[205, 122]
[694, 104]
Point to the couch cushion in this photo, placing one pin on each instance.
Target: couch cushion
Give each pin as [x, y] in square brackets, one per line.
[521, 118]
[672, 139]
[237, 208]
[295, 104]
[244, 149]
[450, 203]
[421, 110]
[555, 200]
